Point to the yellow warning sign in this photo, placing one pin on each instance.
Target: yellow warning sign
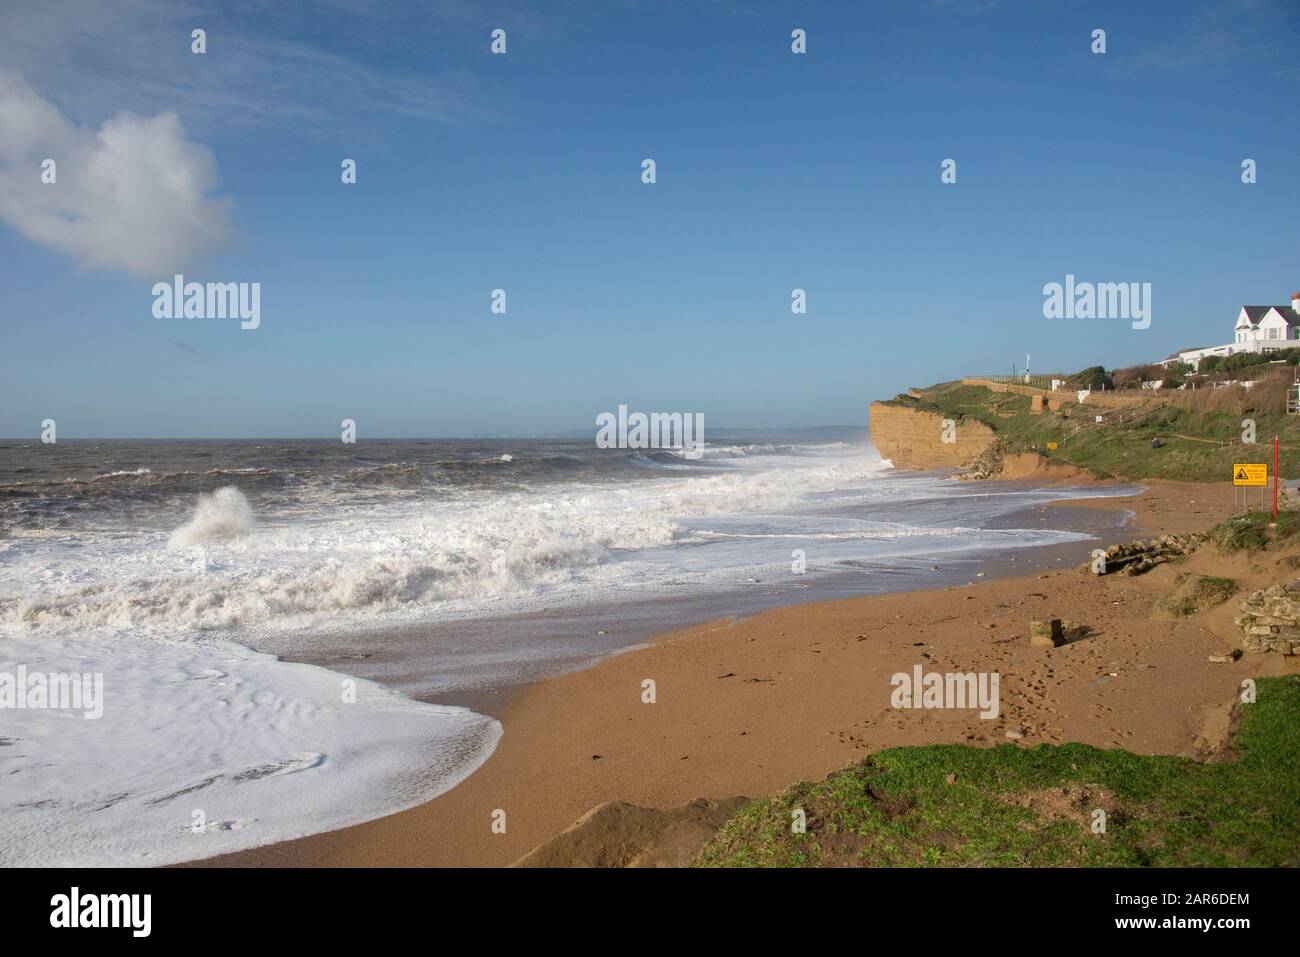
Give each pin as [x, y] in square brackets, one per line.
[1249, 474]
[1051, 446]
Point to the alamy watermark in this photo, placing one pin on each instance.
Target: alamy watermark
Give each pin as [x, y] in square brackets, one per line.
[179, 299]
[55, 691]
[657, 430]
[952, 690]
[129, 911]
[1103, 300]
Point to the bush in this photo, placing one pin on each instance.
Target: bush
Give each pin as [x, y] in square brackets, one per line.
[1176, 374]
[1093, 377]
[1226, 365]
[1132, 377]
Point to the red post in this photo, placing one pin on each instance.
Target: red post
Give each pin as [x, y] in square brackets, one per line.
[1275, 478]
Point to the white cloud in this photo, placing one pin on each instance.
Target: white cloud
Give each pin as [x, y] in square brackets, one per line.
[135, 195]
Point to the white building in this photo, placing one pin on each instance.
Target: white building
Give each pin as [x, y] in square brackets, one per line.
[1258, 329]
[1266, 327]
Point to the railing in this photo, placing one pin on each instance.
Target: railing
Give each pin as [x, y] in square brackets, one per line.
[1045, 382]
[1131, 417]
[1035, 381]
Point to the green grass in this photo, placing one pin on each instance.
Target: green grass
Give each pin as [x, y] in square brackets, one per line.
[1195, 593]
[1125, 450]
[1254, 531]
[898, 809]
[1288, 523]
[1244, 533]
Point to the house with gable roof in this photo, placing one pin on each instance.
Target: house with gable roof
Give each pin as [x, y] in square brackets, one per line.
[1258, 329]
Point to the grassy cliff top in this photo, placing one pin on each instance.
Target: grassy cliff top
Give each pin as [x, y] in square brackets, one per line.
[1200, 436]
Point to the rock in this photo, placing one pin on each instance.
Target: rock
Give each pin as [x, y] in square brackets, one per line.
[1015, 735]
[1137, 557]
[1046, 633]
[1270, 620]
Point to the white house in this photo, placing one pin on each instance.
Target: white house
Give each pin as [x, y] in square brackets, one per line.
[1264, 327]
[1258, 329]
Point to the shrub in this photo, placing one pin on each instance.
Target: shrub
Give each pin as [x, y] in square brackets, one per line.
[1132, 377]
[1093, 377]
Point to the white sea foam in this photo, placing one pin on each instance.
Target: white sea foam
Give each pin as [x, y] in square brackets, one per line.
[206, 748]
[222, 514]
[122, 472]
[349, 568]
[404, 558]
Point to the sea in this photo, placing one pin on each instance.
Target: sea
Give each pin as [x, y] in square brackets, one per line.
[294, 636]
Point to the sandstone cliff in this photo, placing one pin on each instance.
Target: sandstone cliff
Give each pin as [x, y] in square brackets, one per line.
[913, 439]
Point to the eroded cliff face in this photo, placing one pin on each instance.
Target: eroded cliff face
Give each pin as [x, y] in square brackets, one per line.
[913, 439]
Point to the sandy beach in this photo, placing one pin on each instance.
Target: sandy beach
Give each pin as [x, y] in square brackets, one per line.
[748, 707]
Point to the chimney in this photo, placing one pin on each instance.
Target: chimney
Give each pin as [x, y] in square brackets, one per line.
[1295, 302]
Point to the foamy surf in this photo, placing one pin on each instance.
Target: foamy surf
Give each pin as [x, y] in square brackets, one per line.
[207, 748]
[354, 564]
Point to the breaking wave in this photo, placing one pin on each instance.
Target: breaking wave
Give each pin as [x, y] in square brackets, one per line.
[406, 558]
[223, 514]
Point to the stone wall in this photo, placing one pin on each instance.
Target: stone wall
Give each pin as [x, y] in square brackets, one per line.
[1269, 619]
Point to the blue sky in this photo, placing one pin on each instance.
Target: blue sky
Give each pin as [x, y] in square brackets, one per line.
[523, 172]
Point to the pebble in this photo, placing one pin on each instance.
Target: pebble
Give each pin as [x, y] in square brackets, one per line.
[1015, 735]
